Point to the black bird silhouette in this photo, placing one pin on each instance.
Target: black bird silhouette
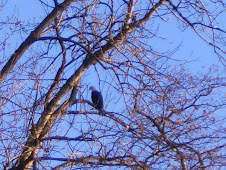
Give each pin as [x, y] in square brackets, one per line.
[97, 99]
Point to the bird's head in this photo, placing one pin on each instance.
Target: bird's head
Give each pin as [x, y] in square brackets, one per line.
[92, 88]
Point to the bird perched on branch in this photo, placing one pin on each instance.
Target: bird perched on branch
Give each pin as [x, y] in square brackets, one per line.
[97, 99]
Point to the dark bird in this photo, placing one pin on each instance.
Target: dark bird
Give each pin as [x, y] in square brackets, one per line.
[97, 99]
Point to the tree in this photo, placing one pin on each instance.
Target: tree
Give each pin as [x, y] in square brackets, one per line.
[157, 113]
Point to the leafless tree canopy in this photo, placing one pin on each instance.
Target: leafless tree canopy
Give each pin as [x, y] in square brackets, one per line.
[158, 113]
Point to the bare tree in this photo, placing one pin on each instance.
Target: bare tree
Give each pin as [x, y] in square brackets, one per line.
[157, 114]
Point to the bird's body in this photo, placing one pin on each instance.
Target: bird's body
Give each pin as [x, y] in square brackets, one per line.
[97, 99]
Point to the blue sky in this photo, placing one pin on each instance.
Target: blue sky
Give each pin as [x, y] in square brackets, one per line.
[192, 47]
[198, 54]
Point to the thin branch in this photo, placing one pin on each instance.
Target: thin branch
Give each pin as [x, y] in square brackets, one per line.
[34, 35]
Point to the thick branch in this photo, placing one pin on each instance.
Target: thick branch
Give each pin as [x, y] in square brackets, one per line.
[32, 38]
[50, 114]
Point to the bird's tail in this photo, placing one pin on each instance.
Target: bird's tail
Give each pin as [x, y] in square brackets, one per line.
[102, 112]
